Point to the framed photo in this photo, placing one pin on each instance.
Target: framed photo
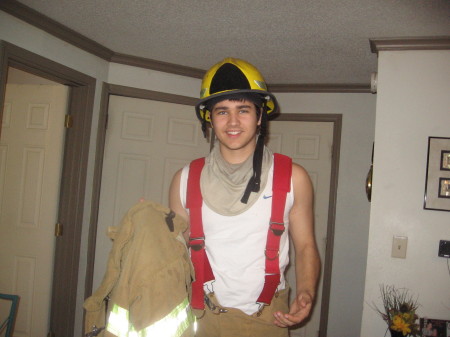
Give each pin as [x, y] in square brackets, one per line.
[445, 160]
[437, 181]
[430, 327]
[444, 188]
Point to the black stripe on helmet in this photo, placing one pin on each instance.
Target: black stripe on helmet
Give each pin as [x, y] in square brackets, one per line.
[228, 77]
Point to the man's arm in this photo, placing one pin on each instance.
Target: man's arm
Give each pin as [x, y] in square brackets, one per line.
[307, 260]
[175, 201]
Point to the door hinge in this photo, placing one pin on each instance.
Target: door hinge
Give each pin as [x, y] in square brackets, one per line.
[68, 121]
[58, 229]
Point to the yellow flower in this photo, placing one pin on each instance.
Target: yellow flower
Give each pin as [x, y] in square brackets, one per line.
[398, 324]
[406, 316]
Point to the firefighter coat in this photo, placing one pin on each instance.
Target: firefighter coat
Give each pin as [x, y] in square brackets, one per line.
[148, 277]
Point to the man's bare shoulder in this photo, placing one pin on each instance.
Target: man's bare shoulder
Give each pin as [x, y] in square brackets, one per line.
[299, 172]
[301, 182]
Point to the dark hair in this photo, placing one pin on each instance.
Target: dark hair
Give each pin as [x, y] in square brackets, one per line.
[256, 99]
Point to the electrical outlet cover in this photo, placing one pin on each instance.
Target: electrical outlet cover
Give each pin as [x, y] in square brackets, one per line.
[444, 248]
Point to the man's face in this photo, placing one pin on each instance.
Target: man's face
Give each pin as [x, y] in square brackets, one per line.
[235, 124]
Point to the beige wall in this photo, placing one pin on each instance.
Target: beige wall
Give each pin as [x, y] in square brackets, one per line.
[413, 103]
[352, 216]
[153, 80]
[352, 208]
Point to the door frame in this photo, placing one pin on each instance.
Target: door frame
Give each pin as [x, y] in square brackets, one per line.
[73, 175]
[111, 89]
[336, 119]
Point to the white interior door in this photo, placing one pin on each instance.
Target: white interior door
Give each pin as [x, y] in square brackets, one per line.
[31, 148]
[310, 145]
[146, 143]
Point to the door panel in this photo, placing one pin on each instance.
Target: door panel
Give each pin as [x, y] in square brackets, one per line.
[310, 145]
[147, 142]
[30, 170]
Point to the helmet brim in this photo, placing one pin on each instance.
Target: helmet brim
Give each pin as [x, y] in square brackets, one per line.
[200, 109]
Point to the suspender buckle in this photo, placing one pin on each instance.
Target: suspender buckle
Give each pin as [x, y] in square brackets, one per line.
[277, 228]
[261, 308]
[215, 309]
[272, 254]
[197, 243]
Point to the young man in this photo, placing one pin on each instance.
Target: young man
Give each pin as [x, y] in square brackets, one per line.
[237, 248]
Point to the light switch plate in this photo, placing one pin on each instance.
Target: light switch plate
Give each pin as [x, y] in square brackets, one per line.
[399, 245]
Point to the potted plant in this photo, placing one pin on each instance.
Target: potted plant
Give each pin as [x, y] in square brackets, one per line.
[399, 311]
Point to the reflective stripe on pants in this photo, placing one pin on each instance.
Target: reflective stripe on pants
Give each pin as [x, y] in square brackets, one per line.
[172, 325]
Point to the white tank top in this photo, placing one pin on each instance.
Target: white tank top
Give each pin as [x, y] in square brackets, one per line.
[235, 247]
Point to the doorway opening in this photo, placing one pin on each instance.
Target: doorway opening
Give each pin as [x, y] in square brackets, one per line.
[110, 90]
[313, 144]
[71, 194]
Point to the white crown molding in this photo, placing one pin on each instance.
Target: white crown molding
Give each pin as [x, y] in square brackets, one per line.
[410, 43]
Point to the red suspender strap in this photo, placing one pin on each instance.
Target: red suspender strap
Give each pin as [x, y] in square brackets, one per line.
[280, 187]
[194, 201]
[203, 272]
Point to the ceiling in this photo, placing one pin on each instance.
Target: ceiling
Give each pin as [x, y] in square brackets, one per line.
[290, 41]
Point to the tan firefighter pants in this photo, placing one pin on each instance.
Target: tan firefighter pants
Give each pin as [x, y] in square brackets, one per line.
[235, 323]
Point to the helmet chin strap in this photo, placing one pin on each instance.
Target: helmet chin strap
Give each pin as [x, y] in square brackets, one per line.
[204, 127]
[254, 184]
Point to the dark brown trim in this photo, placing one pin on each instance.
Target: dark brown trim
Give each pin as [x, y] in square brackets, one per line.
[73, 177]
[157, 65]
[107, 91]
[320, 88]
[96, 187]
[120, 90]
[410, 43]
[4, 64]
[54, 28]
[23, 59]
[64, 33]
[336, 119]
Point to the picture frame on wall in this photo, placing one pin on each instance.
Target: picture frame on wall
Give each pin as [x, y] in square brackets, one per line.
[444, 187]
[430, 327]
[445, 160]
[437, 181]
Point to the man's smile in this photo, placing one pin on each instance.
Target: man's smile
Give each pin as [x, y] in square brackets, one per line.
[233, 133]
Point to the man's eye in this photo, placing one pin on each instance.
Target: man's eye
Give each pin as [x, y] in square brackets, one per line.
[243, 111]
[221, 112]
